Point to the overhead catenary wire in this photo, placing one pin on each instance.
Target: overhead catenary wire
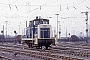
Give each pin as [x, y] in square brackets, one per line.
[87, 7]
[60, 7]
[44, 4]
[40, 8]
[8, 5]
[69, 7]
[74, 7]
[16, 7]
[35, 5]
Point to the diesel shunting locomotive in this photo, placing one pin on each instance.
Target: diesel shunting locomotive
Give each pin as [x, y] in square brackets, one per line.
[39, 33]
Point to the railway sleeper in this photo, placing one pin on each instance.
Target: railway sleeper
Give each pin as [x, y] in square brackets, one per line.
[41, 57]
[5, 58]
[37, 53]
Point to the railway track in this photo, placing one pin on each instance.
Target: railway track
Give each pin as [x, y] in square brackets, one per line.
[46, 54]
[5, 58]
[40, 55]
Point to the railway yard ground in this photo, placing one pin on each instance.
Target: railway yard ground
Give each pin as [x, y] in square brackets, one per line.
[61, 51]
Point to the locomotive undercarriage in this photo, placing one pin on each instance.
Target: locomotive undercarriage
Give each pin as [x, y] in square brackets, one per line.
[41, 43]
[45, 42]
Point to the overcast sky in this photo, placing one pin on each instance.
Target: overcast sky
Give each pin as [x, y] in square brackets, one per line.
[16, 12]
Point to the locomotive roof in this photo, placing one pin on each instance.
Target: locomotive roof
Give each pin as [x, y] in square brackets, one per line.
[39, 19]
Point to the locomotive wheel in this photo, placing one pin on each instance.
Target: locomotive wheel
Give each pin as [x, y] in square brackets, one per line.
[30, 45]
[46, 47]
[43, 47]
